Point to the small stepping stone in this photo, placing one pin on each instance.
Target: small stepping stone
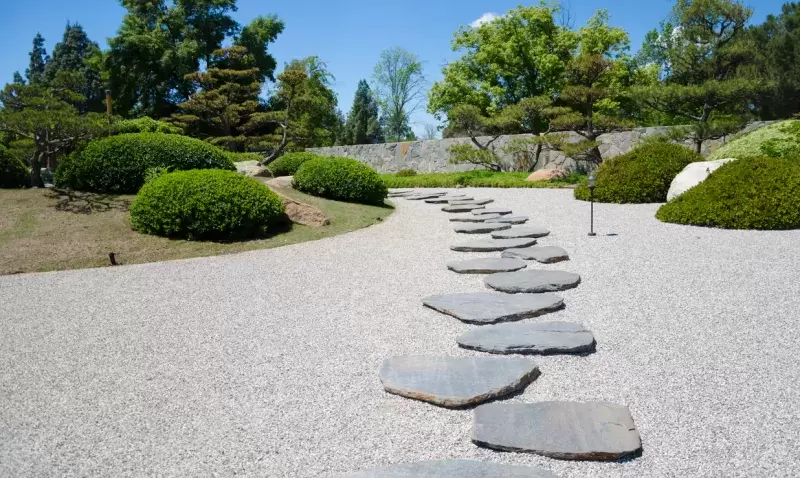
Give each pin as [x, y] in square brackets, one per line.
[543, 338]
[446, 199]
[509, 219]
[456, 381]
[489, 308]
[493, 210]
[484, 218]
[463, 202]
[563, 430]
[491, 245]
[419, 197]
[454, 469]
[489, 265]
[400, 192]
[480, 228]
[462, 208]
[532, 281]
[530, 231]
[543, 254]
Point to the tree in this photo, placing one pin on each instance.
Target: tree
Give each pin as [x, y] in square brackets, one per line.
[73, 53]
[399, 86]
[18, 79]
[362, 125]
[208, 23]
[256, 37]
[38, 60]
[431, 132]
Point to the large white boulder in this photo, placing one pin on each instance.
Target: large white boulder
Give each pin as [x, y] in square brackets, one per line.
[692, 175]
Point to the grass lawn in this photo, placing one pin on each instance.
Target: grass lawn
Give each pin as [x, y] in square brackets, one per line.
[478, 179]
[49, 229]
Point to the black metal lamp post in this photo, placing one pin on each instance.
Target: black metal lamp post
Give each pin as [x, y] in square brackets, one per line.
[592, 182]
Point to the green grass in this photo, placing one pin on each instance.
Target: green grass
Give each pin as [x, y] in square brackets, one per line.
[478, 179]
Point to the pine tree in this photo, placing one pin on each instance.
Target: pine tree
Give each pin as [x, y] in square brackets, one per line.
[18, 79]
[39, 58]
[72, 54]
[362, 126]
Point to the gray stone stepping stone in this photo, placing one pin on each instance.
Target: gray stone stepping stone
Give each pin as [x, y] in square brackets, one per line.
[401, 192]
[491, 245]
[493, 210]
[532, 280]
[528, 231]
[462, 202]
[543, 338]
[488, 265]
[480, 228]
[543, 254]
[509, 219]
[454, 469]
[446, 199]
[419, 197]
[462, 208]
[563, 430]
[470, 218]
[456, 381]
[489, 307]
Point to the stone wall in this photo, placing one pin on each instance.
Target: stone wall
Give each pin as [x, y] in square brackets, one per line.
[432, 156]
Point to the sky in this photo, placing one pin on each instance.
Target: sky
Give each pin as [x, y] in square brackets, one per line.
[348, 35]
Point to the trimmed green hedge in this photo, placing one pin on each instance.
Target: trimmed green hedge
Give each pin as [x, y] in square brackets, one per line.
[205, 204]
[640, 176]
[13, 172]
[118, 164]
[751, 193]
[289, 163]
[343, 179]
[144, 125]
[404, 173]
[778, 140]
[479, 178]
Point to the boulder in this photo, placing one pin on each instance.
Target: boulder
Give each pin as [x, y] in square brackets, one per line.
[692, 175]
[547, 175]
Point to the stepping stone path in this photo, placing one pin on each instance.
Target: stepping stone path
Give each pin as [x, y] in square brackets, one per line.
[456, 381]
[489, 307]
[484, 218]
[543, 254]
[463, 202]
[530, 231]
[491, 245]
[454, 469]
[532, 281]
[493, 210]
[564, 430]
[509, 219]
[400, 193]
[488, 265]
[480, 228]
[419, 197]
[542, 338]
[462, 208]
[446, 199]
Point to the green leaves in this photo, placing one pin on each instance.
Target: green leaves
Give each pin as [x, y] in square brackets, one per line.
[342, 179]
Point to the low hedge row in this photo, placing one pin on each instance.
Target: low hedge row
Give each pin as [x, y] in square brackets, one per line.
[342, 179]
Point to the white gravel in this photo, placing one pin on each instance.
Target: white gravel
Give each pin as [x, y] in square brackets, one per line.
[265, 363]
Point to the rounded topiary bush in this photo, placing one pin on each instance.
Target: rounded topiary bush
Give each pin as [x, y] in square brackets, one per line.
[117, 164]
[751, 193]
[205, 204]
[406, 172]
[640, 176]
[144, 124]
[289, 163]
[778, 140]
[343, 179]
[13, 172]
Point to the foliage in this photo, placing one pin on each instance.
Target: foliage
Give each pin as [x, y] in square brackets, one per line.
[362, 126]
[143, 125]
[74, 54]
[343, 179]
[643, 175]
[205, 204]
[118, 164]
[289, 163]
[13, 172]
[751, 193]
[38, 60]
[404, 173]
[477, 179]
[778, 140]
[239, 157]
[399, 85]
[256, 37]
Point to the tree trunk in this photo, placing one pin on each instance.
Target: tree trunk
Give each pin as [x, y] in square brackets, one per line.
[536, 155]
[36, 168]
[272, 157]
[698, 146]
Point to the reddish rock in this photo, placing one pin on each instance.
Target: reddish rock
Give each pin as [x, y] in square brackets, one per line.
[547, 175]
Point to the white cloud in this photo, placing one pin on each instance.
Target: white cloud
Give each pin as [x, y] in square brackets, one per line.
[485, 18]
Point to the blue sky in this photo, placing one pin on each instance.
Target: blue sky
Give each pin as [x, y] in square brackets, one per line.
[347, 34]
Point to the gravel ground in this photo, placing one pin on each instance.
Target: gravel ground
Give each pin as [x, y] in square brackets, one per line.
[265, 363]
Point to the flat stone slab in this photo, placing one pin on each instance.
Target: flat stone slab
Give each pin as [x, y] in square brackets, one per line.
[447, 199]
[453, 469]
[543, 254]
[563, 430]
[471, 218]
[532, 280]
[419, 197]
[489, 265]
[491, 245]
[462, 202]
[509, 219]
[528, 231]
[480, 228]
[542, 338]
[462, 208]
[493, 210]
[489, 307]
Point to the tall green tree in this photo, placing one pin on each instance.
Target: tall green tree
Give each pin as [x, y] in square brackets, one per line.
[399, 85]
[256, 37]
[362, 125]
[74, 53]
[207, 24]
[38, 60]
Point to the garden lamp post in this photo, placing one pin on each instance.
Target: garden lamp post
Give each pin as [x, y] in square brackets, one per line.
[108, 103]
[592, 183]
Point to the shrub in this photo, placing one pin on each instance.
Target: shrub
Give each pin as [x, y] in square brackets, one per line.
[344, 179]
[144, 125]
[778, 140]
[404, 173]
[289, 163]
[239, 157]
[751, 193]
[479, 178]
[118, 164]
[13, 172]
[205, 204]
[640, 176]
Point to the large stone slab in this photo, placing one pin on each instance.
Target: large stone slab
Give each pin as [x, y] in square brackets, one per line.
[528, 231]
[542, 338]
[480, 202]
[489, 307]
[447, 199]
[532, 280]
[453, 469]
[456, 381]
[491, 245]
[471, 218]
[462, 208]
[543, 254]
[421, 196]
[480, 228]
[488, 265]
[493, 210]
[563, 430]
[509, 219]
[400, 192]
[692, 175]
